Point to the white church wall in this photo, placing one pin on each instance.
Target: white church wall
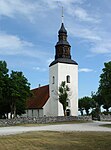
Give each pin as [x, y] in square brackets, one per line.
[51, 107]
[60, 71]
[72, 71]
[34, 113]
[60, 109]
[46, 108]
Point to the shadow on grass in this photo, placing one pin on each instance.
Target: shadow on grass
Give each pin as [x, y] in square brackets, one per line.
[106, 125]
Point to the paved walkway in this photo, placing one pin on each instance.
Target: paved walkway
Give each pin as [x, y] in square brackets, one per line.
[93, 126]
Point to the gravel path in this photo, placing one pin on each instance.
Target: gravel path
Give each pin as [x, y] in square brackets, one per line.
[93, 126]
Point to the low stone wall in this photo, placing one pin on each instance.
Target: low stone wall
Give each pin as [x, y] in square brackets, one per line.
[105, 117]
[11, 122]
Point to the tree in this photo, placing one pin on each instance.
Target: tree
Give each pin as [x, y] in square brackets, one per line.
[14, 91]
[97, 99]
[4, 106]
[19, 92]
[63, 95]
[105, 86]
[85, 103]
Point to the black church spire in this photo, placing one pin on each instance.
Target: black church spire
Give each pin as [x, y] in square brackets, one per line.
[62, 47]
[62, 29]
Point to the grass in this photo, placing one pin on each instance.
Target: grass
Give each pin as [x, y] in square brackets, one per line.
[57, 141]
[106, 125]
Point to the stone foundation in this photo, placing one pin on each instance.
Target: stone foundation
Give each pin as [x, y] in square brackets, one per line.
[105, 117]
[41, 120]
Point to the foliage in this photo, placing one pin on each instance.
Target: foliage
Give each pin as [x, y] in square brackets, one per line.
[105, 86]
[96, 114]
[4, 106]
[102, 97]
[97, 99]
[80, 106]
[14, 90]
[63, 94]
[19, 91]
[85, 103]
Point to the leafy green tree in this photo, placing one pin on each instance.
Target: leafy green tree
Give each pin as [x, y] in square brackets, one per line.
[97, 99]
[4, 106]
[14, 91]
[98, 102]
[105, 86]
[19, 92]
[85, 103]
[63, 95]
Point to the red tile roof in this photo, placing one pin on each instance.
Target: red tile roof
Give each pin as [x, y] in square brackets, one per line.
[39, 97]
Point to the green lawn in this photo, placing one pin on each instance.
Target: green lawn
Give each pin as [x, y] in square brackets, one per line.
[57, 141]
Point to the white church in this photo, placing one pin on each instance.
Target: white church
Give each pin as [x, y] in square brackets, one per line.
[44, 101]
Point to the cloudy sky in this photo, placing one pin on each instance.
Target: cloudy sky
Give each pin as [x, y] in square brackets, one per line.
[28, 34]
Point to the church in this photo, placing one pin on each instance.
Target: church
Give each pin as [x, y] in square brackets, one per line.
[44, 101]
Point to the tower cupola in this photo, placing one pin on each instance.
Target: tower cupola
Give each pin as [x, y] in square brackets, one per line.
[62, 47]
[62, 29]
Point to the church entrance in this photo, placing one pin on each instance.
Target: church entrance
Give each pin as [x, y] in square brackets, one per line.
[68, 112]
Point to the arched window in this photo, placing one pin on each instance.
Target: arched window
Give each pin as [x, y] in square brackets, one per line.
[68, 79]
[53, 80]
[68, 103]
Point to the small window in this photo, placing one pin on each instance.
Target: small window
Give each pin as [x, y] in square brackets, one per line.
[68, 79]
[53, 80]
[68, 103]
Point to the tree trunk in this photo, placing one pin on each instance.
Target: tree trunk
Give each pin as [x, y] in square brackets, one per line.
[7, 115]
[11, 113]
[81, 112]
[14, 111]
[107, 109]
[87, 111]
[64, 109]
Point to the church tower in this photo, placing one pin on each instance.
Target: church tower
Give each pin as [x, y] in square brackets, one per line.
[63, 68]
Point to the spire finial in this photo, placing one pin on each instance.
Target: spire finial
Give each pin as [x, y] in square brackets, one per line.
[62, 14]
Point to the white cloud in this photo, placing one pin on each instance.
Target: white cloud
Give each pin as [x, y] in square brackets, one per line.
[85, 33]
[12, 42]
[74, 9]
[32, 9]
[83, 15]
[98, 39]
[85, 70]
[41, 69]
[27, 9]
[102, 47]
[36, 68]
[14, 45]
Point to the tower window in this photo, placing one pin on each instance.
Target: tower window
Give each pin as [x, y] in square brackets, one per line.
[68, 79]
[53, 80]
[68, 103]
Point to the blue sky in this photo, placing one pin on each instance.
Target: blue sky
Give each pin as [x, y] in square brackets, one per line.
[29, 32]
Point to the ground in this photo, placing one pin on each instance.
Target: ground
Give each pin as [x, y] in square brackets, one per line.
[89, 126]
